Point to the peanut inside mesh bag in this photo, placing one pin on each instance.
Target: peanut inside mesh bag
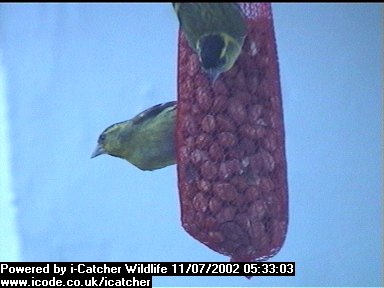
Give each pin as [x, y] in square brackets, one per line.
[231, 167]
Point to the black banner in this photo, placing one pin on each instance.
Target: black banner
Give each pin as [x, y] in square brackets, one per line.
[131, 274]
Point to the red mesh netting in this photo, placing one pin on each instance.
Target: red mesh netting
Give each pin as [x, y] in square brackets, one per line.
[230, 147]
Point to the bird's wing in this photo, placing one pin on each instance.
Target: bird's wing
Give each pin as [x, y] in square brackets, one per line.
[150, 113]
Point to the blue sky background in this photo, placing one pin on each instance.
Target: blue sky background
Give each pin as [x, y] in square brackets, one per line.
[69, 71]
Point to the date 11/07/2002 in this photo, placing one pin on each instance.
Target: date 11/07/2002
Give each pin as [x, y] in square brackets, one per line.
[257, 268]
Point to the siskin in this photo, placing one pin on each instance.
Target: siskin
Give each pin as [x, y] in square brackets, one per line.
[146, 141]
[215, 31]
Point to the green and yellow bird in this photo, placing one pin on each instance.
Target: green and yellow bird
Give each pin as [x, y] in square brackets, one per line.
[215, 31]
[147, 140]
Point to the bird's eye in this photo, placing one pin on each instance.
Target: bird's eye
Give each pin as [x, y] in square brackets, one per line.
[101, 137]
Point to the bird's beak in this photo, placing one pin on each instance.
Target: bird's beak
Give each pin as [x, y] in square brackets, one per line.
[98, 151]
[213, 75]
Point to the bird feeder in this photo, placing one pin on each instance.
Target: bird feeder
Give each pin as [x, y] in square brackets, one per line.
[231, 163]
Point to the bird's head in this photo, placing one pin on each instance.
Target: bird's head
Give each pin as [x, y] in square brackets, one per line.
[109, 141]
[217, 53]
